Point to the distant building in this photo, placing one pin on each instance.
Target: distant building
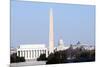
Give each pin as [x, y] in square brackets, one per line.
[84, 46]
[61, 45]
[32, 51]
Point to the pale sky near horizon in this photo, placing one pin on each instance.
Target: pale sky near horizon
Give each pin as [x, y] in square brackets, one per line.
[30, 23]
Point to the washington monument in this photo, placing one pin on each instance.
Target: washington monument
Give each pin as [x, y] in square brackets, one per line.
[51, 33]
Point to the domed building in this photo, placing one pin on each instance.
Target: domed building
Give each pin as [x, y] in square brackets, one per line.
[61, 45]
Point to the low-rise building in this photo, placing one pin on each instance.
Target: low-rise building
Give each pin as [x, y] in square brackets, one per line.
[31, 51]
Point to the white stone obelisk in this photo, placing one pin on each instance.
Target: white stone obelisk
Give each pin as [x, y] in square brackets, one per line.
[51, 33]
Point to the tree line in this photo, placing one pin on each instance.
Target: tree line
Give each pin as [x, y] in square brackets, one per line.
[69, 56]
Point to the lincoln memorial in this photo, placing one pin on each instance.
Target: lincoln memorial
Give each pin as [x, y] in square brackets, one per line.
[32, 51]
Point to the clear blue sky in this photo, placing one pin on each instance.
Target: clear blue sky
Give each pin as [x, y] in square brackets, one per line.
[30, 23]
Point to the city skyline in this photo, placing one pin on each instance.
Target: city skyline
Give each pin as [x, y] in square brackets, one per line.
[71, 22]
